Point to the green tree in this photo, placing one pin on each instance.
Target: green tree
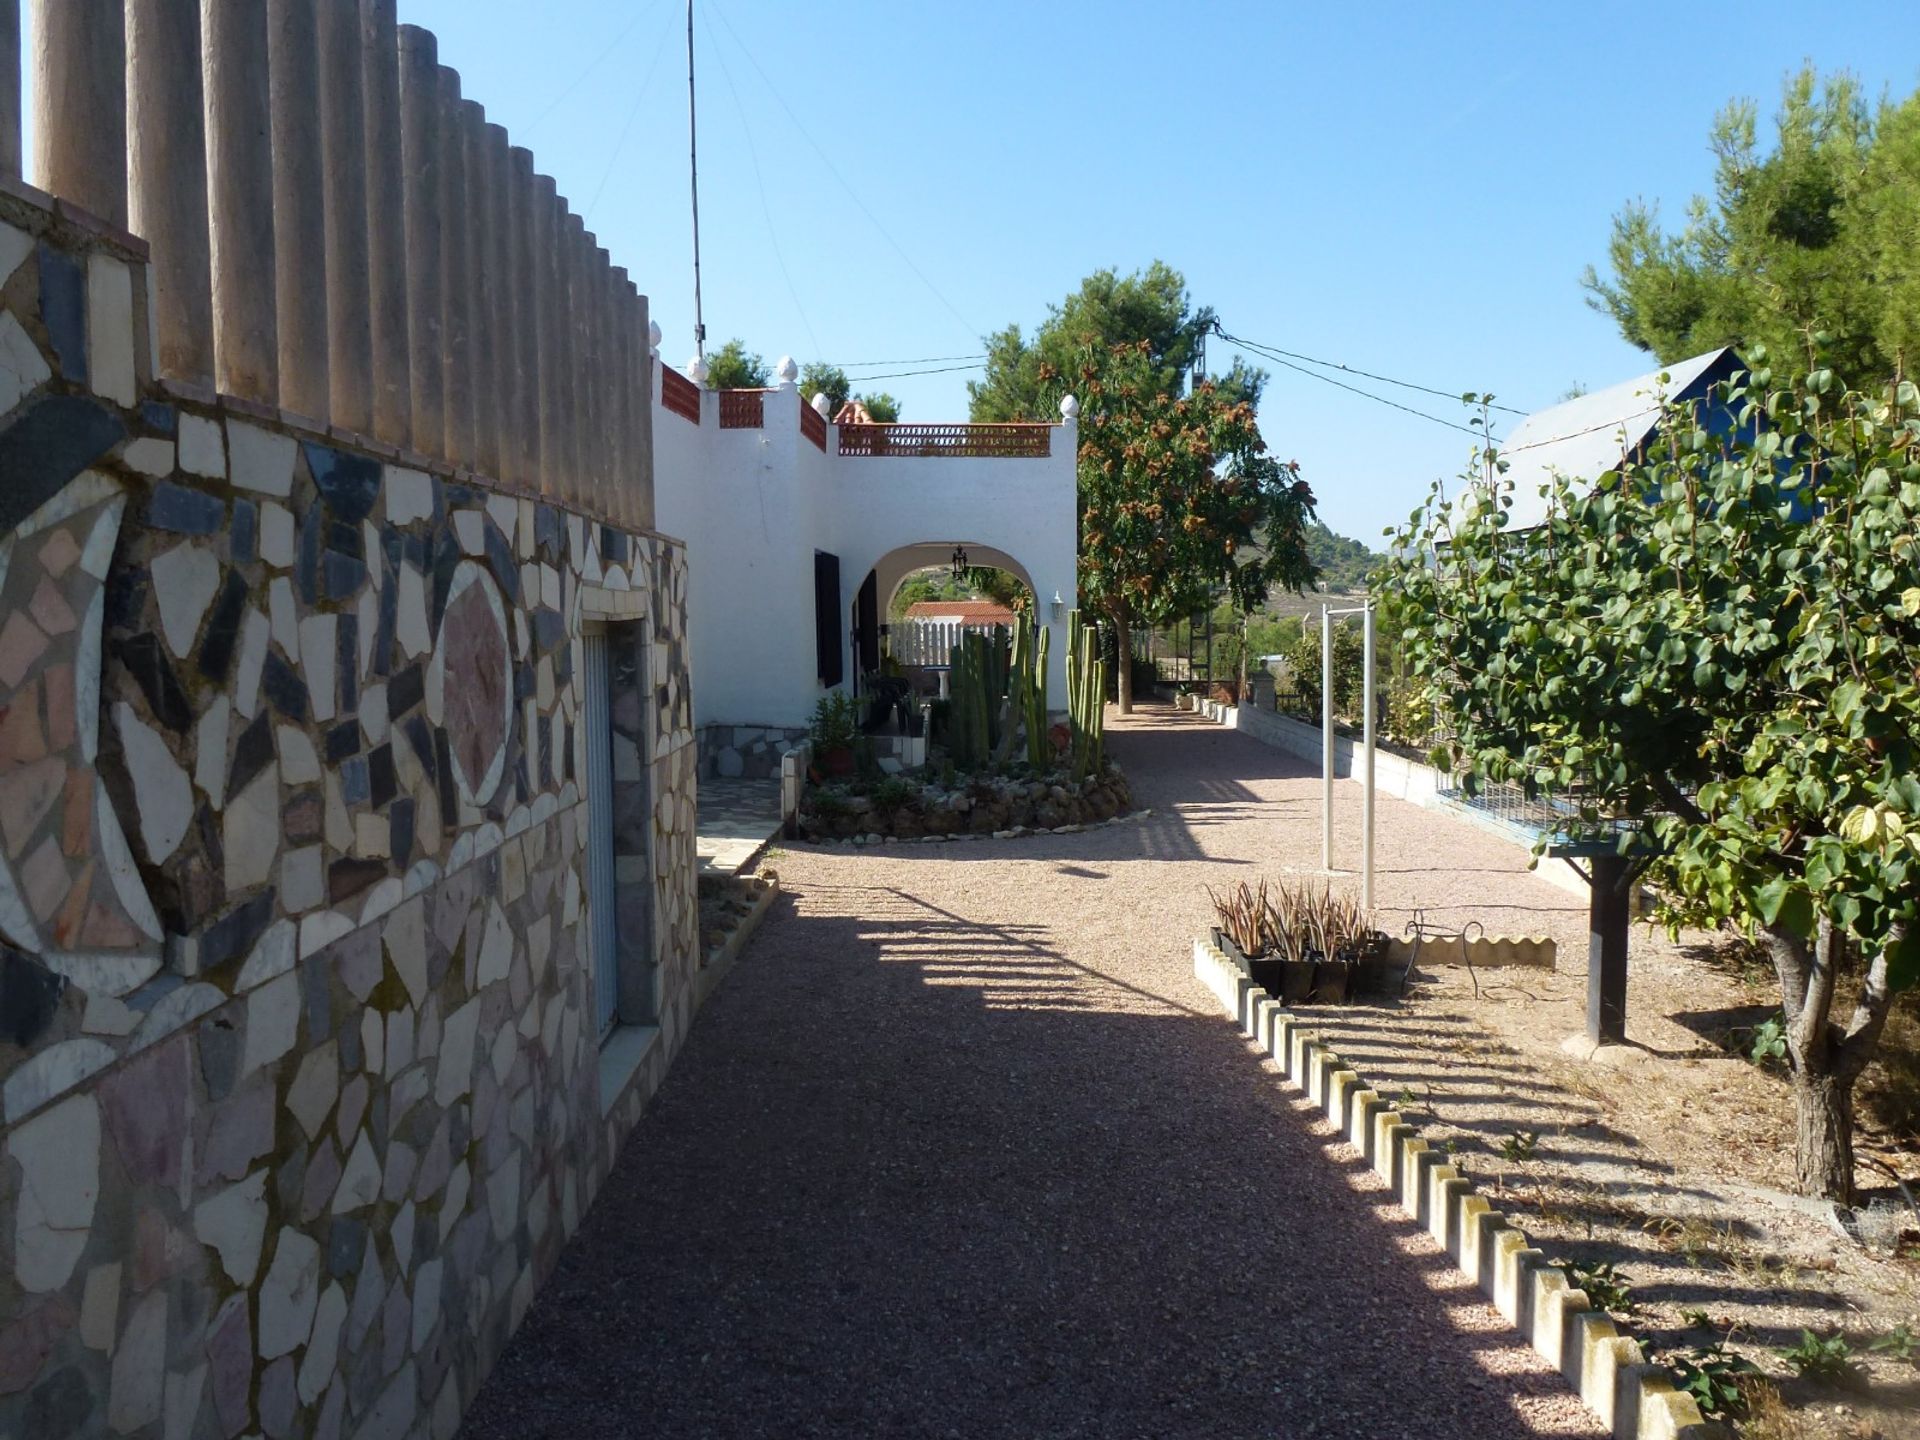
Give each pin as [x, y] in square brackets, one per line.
[884, 409]
[1814, 236]
[1179, 500]
[820, 378]
[734, 367]
[1721, 639]
[1149, 308]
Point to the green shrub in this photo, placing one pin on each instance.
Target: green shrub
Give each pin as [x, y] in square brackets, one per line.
[1711, 1375]
[836, 721]
[1816, 1358]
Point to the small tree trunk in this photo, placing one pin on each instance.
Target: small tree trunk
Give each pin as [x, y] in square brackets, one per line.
[1123, 659]
[1824, 1155]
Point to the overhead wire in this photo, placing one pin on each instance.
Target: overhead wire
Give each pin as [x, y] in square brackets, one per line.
[1273, 350]
[833, 170]
[923, 360]
[753, 154]
[1354, 389]
[598, 60]
[902, 374]
[633, 113]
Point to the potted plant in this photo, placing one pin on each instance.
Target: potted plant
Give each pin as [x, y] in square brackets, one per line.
[832, 732]
[1299, 943]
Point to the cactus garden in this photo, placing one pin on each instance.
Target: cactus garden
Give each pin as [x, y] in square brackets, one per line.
[997, 760]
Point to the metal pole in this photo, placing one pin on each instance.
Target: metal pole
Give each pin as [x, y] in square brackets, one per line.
[693, 172]
[1608, 923]
[1326, 737]
[1366, 824]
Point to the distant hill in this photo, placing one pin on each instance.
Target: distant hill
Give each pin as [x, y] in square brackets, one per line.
[1344, 563]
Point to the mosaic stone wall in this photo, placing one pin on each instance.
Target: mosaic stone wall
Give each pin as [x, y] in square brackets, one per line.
[300, 1086]
[746, 752]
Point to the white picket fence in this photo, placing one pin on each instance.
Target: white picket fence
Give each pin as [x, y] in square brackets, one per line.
[924, 642]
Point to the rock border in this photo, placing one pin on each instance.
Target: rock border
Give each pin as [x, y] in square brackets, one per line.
[1634, 1398]
[1018, 832]
[714, 967]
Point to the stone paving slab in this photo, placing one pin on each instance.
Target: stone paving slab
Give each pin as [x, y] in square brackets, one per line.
[734, 821]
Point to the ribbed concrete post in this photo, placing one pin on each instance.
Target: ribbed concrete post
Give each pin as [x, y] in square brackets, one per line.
[593, 419]
[386, 224]
[167, 176]
[421, 161]
[544, 229]
[10, 90]
[618, 441]
[606, 379]
[343, 148]
[566, 383]
[246, 345]
[505, 284]
[643, 518]
[299, 207]
[80, 104]
[456, 299]
[523, 269]
[579, 356]
[484, 280]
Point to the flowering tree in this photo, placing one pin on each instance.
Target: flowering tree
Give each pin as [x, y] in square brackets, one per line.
[1179, 499]
[1723, 637]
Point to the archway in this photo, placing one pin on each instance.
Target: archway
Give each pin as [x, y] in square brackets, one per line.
[869, 629]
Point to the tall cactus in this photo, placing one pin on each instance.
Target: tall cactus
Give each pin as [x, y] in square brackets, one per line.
[1086, 697]
[977, 680]
[1039, 743]
[1026, 707]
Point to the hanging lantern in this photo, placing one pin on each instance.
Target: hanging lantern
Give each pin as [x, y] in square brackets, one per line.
[960, 566]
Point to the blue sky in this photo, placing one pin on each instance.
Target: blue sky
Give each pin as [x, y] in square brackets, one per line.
[1407, 188]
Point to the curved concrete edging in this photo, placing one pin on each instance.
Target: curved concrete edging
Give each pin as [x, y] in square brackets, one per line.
[1634, 1398]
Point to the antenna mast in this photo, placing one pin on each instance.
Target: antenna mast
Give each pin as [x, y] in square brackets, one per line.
[693, 168]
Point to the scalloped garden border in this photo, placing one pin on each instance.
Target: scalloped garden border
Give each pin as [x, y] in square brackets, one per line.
[1635, 1399]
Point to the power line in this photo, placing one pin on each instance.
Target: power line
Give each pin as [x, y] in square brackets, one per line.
[1355, 389]
[633, 112]
[1274, 350]
[902, 374]
[1618, 422]
[592, 65]
[753, 153]
[833, 170]
[923, 360]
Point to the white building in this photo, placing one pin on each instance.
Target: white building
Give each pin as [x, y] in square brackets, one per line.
[799, 532]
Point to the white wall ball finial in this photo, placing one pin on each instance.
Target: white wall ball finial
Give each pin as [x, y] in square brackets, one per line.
[822, 405]
[697, 370]
[786, 372]
[1070, 408]
[653, 334]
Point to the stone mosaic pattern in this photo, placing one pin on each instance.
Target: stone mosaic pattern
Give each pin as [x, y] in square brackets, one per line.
[745, 752]
[299, 1085]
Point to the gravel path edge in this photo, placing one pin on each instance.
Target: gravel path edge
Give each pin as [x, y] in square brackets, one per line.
[1635, 1400]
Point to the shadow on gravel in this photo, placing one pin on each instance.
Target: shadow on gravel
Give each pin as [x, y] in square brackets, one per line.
[917, 1176]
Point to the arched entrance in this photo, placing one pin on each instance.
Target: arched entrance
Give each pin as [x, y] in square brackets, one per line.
[868, 630]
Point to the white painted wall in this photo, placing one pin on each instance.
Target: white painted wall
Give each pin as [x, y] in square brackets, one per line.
[754, 505]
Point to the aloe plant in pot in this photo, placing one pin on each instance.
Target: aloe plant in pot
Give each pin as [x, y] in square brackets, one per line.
[1299, 942]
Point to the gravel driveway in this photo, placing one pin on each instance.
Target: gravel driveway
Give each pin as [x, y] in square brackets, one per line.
[961, 1149]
